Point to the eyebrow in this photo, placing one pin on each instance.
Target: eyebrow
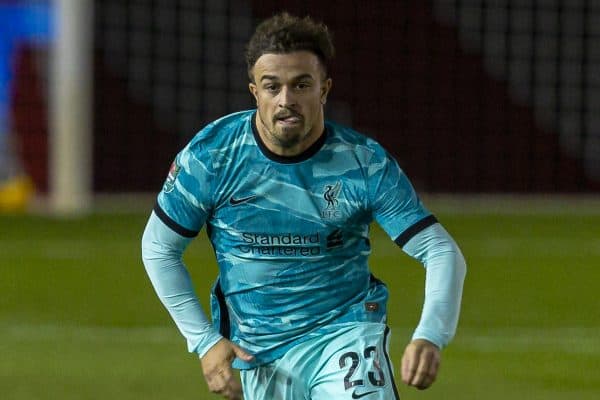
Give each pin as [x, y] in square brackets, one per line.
[268, 77]
[276, 78]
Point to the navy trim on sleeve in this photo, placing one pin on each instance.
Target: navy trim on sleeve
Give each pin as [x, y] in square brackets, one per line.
[172, 224]
[414, 229]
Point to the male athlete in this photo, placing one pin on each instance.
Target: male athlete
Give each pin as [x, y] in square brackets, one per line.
[287, 199]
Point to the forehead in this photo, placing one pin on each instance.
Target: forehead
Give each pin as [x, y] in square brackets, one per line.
[287, 65]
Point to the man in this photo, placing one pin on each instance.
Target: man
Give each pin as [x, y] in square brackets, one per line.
[287, 199]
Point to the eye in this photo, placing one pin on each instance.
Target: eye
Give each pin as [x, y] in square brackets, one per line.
[271, 87]
[303, 85]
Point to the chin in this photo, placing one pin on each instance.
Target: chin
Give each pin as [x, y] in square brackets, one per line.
[289, 131]
[288, 139]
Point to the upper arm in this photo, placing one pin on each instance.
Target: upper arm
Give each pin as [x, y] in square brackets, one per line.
[184, 202]
[393, 201]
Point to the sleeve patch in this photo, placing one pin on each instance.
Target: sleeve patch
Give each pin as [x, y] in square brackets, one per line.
[171, 177]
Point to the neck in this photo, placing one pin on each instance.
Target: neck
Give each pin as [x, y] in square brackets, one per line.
[288, 151]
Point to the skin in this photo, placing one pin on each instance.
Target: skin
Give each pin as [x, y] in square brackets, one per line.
[420, 363]
[290, 91]
[216, 367]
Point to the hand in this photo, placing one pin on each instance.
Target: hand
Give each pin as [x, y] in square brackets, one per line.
[420, 363]
[216, 367]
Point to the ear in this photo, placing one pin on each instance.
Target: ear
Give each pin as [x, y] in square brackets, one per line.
[325, 88]
[254, 90]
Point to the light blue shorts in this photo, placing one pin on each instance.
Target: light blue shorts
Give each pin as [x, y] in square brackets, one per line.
[351, 363]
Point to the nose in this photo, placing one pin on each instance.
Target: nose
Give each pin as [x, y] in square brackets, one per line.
[286, 97]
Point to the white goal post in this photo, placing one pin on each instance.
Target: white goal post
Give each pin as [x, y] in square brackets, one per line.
[70, 108]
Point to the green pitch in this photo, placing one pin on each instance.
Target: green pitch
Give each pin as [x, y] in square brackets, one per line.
[79, 319]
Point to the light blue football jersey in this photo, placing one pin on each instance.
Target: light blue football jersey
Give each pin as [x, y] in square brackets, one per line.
[290, 234]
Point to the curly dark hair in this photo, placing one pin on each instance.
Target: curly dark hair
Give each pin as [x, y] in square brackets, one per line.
[285, 33]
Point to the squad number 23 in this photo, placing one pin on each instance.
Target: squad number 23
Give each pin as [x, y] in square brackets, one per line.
[376, 378]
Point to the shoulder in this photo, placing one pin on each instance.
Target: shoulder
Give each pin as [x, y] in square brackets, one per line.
[218, 139]
[207, 148]
[345, 139]
[223, 131]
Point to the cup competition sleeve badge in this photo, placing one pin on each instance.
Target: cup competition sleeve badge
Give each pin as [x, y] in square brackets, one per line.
[171, 177]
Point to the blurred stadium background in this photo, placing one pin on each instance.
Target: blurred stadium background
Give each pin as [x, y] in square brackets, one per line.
[492, 107]
[471, 96]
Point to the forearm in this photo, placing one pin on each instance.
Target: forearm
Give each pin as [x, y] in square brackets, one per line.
[162, 251]
[445, 273]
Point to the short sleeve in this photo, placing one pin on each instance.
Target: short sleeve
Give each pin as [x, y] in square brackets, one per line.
[185, 199]
[394, 202]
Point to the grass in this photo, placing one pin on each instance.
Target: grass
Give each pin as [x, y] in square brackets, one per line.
[79, 319]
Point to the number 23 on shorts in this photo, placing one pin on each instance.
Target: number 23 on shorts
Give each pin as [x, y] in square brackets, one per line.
[365, 376]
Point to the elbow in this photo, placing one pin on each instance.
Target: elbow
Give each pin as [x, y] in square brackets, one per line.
[450, 250]
[461, 263]
[146, 247]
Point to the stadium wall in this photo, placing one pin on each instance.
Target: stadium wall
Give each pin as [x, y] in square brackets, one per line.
[404, 74]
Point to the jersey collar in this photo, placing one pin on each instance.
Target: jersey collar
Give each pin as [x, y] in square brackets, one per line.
[305, 155]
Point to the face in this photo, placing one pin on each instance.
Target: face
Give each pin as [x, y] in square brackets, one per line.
[290, 91]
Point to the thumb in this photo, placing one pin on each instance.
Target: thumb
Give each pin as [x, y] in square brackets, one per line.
[242, 354]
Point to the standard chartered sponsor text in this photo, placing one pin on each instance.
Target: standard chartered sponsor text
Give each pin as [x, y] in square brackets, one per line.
[286, 244]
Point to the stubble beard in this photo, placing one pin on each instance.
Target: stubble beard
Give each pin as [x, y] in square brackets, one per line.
[281, 139]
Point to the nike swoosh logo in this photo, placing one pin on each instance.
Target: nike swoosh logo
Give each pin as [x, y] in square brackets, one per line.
[235, 202]
[358, 396]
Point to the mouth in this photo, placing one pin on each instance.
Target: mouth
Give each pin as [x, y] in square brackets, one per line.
[288, 119]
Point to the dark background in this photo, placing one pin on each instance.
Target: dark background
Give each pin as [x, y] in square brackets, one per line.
[468, 96]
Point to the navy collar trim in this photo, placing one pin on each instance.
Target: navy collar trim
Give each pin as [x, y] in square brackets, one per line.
[305, 155]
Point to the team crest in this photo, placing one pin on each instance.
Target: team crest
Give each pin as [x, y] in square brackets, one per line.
[171, 177]
[331, 194]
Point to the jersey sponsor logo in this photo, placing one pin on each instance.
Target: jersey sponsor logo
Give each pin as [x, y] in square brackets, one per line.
[234, 202]
[358, 396]
[331, 195]
[171, 177]
[335, 239]
[285, 244]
